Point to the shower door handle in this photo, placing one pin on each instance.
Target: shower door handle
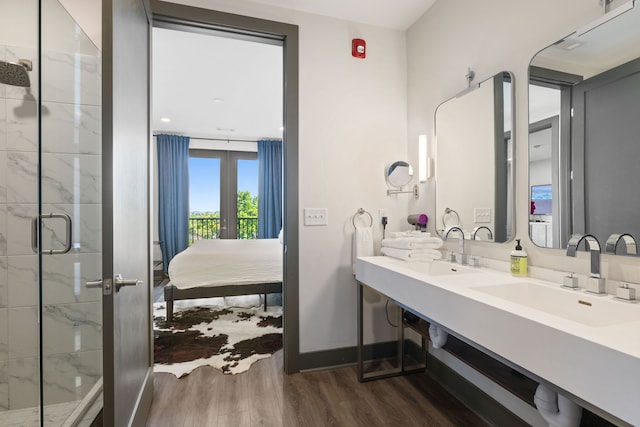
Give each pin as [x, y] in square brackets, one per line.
[105, 285]
[120, 282]
[68, 233]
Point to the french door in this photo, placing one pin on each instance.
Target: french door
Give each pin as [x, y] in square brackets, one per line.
[222, 179]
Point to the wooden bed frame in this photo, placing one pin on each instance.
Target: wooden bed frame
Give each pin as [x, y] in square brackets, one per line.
[172, 293]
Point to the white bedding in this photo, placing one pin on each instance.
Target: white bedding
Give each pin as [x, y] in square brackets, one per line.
[219, 262]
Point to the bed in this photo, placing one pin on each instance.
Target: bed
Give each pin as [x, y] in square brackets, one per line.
[225, 267]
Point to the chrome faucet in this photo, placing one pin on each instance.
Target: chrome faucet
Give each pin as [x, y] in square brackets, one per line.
[614, 239]
[475, 231]
[463, 256]
[595, 283]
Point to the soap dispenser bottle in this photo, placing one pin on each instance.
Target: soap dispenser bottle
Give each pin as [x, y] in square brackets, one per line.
[519, 260]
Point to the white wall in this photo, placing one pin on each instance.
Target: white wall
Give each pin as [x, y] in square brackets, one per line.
[352, 123]
[489, 36]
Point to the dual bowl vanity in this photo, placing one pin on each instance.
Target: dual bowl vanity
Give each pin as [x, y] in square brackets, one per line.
[583, 346]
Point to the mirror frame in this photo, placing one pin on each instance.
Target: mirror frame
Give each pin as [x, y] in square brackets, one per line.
[567, 166]
[504, 210]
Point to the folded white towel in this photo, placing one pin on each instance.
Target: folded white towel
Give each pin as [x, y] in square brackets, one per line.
[409, 233]
[412, 255]
[413, 243]
[362, 245]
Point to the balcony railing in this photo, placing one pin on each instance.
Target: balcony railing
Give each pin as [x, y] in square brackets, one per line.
[209, 228]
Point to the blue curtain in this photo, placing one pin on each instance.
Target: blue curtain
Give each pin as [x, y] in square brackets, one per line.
[173, 197]
[269, 188]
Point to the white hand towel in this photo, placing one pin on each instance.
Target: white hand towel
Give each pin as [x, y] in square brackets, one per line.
[413, 243]
[412, 255]
[362, 244]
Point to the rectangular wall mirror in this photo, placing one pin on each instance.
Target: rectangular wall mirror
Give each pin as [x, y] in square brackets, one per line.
[474, 158]
[584, 134]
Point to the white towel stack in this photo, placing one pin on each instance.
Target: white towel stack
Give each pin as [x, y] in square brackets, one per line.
[412, 246]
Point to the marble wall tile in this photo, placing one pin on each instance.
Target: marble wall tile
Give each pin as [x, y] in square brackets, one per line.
[69, 328]
[22, 177]
[72, 128]
[4, 385]
[29, 417]
[4, 336]
[23, 332]
[3, 177]
[22, 282]
[22, 125]
[24, 383]
[20, 27]
[19, 228]
[71, 78]
[3, 228]
[3, 115]
[64, 278]
[70, 376]
[4, 281]
[3, 57]
[61, 32]
[86, 225]
[71, 178]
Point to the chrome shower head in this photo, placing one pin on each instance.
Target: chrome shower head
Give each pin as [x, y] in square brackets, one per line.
[16, 74]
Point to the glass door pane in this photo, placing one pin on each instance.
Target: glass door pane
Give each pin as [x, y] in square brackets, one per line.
[70, 218]
[19, 270]
[247, 199]
[204, 198]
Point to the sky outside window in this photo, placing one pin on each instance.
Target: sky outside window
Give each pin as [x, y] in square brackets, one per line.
[204, 182]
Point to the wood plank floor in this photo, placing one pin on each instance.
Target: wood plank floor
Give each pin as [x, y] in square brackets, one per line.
[265, 396]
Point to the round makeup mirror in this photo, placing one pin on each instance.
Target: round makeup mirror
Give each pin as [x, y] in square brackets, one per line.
[398, 174]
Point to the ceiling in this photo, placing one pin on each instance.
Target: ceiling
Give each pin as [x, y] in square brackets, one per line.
[219, 87]
[216, 87]
[396, 14]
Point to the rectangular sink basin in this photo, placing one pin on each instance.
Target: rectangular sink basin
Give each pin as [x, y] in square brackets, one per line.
[594, 311]
[440, 268]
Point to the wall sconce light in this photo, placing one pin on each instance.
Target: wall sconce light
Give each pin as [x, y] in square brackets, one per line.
[425, 162]
[422, 158]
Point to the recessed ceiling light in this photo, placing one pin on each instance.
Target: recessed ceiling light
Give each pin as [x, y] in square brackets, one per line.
[226, 130]
[165, 119]
[218, 100]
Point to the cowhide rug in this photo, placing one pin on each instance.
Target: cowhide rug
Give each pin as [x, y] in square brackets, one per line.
[228, 338]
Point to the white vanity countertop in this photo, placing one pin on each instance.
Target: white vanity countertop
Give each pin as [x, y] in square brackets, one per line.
[596, 358]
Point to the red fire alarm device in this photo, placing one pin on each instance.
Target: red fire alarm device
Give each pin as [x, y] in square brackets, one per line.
[358, 48]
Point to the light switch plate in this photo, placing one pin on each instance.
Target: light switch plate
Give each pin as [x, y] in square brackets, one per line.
[316, 216]
[482, 215]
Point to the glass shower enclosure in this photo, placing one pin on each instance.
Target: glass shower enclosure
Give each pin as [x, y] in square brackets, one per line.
[50, 217]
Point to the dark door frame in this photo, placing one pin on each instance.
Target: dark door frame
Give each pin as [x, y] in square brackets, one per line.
[187, 18]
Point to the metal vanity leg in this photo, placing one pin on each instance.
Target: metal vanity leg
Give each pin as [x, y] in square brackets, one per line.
[360, 333]
[401, 341]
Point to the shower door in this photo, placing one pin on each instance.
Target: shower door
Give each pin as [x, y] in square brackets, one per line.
[50, 209]
[68, 226]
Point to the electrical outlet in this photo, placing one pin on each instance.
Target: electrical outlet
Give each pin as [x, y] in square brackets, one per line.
[316, 216]
[482, 215]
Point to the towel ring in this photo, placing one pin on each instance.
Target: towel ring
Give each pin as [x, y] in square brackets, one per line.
[361, 212]
[447, 212]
